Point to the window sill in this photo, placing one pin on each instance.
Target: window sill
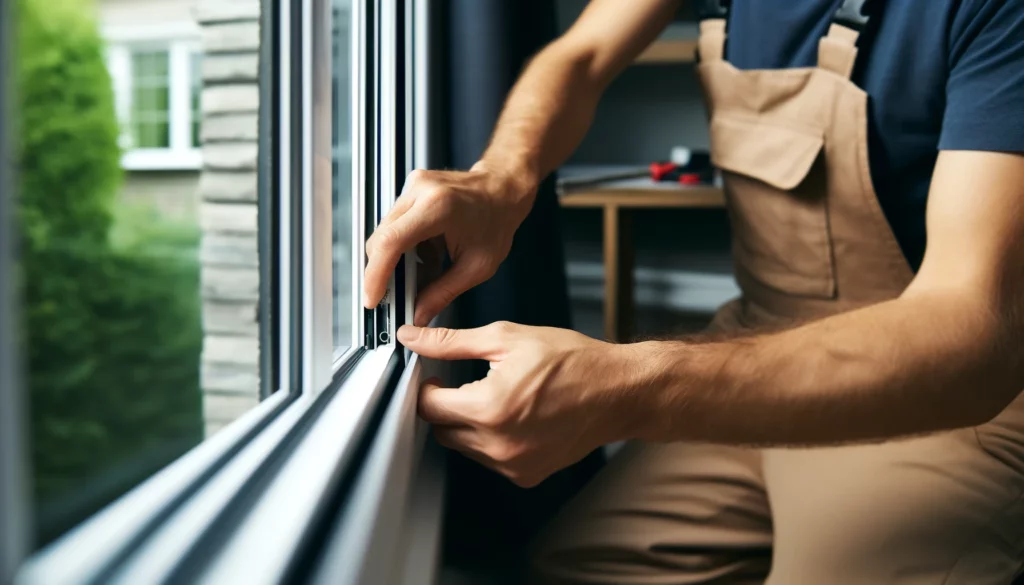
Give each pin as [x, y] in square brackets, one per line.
[276, 470]
[162, 159]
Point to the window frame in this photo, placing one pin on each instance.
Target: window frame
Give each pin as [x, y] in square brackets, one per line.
[181, 41]
[15, 533]
[331, 436]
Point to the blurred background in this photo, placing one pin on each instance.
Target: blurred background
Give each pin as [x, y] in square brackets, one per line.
[107, 143]
[136, 143]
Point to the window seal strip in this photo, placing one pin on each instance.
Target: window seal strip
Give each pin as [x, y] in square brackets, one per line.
[268, 187]
[366, 532]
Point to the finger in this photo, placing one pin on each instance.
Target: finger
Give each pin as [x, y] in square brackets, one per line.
[402, 205]
[413, 227]
[460, 438]
[450, 406]
[462, 276]
[451, 344]
[479, 458]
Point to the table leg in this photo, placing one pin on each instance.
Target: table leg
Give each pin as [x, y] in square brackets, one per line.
[618, 274]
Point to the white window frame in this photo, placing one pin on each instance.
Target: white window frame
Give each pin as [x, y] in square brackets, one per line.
[182, 41]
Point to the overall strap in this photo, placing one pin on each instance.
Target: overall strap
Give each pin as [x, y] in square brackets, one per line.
[837, 51]
[712, 15]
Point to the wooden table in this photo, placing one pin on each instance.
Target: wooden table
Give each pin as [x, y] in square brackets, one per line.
[618, 204]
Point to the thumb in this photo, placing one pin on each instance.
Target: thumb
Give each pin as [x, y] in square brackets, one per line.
[450, 344]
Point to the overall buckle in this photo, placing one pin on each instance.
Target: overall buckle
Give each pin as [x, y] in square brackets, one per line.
[851, 14]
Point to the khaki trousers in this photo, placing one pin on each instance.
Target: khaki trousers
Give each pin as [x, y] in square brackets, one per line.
[946, 509]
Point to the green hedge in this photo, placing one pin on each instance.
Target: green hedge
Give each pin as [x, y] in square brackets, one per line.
[112, 312]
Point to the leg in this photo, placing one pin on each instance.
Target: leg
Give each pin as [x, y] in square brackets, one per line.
[618, 274]
[940, 510]
[658, 514]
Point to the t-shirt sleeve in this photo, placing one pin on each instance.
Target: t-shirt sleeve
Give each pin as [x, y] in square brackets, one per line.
[985, 87]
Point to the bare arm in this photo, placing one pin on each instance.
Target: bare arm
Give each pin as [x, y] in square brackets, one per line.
[947, 353]
[546, 115]
[551, 107]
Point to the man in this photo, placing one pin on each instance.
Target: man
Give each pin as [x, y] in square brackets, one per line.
[876, 371]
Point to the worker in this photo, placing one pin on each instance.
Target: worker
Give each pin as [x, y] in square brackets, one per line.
[854, 417]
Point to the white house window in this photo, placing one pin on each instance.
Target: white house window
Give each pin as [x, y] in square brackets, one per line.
[149, 125]
[157, 87]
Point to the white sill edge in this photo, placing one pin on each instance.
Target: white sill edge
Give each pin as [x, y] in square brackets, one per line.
[162, 160]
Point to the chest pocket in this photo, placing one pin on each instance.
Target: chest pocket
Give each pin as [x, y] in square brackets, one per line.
[776, 192]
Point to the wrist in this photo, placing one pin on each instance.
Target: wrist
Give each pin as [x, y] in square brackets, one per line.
[664, 386]
[638, 381]
[520, 178]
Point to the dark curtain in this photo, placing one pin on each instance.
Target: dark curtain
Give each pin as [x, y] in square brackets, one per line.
[489, 519]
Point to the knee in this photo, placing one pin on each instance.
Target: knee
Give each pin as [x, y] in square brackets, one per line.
[617, 560]
[550, 560]
[560, 556]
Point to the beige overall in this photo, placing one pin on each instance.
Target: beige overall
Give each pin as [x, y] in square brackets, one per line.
[810, 240]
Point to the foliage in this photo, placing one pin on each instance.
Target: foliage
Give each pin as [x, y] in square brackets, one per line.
[112, 328]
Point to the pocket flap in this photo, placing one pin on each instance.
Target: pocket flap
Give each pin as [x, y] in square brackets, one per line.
[779, 156]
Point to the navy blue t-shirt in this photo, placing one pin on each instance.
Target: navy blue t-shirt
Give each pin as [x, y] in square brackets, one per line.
[940, 75]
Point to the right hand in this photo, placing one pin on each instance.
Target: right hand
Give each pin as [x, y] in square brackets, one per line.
[474, 213]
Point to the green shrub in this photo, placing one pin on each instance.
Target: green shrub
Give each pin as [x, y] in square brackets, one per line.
[112, 313]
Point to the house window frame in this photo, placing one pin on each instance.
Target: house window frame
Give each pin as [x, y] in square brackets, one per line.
[182, 42]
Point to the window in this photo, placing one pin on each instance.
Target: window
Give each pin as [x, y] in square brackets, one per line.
[157, 86]
[149, 124]
[132, 321]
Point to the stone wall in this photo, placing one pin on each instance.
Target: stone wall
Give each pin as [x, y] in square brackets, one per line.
[227, 208]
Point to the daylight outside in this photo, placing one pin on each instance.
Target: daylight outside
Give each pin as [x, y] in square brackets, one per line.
[137, 148]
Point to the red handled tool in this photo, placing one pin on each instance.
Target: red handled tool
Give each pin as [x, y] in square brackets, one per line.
[671, 172]
[662, 172]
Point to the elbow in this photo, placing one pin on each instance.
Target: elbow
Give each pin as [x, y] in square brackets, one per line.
[1009, 352]
[999, 380]
[584, 60]
[976, 369]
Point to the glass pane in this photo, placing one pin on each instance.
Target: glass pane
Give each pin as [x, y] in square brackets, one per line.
[344, 297]
[196, 66]
[141, 333]
[150, 99]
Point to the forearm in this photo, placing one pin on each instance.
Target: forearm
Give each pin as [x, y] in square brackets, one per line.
[546, 115]
[908, 366]
[552, 105]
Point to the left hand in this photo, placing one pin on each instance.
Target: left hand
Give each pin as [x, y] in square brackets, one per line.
[551, 397]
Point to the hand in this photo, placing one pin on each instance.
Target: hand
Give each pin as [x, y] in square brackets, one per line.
[551, 397]
[476, 213]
